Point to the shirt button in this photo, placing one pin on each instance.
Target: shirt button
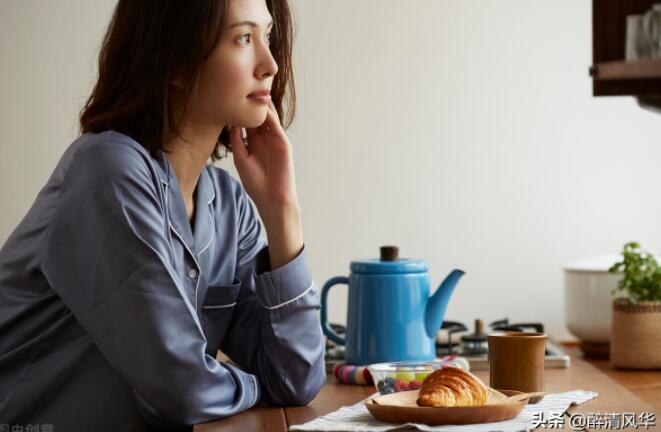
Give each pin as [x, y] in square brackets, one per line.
[192, 273]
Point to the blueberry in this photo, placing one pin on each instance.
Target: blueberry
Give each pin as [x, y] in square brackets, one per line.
[390, 382]
[387, 390]
[380, 385]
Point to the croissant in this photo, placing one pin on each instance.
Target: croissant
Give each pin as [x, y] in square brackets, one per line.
[452, 386]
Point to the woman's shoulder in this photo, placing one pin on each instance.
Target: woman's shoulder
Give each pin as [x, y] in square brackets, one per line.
[109, 155]
[108, 146]
[223, 180]
[225, 184]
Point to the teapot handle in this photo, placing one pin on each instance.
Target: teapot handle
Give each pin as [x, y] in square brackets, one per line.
[325, 326]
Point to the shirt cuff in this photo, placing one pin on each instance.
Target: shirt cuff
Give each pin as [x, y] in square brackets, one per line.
[249, 383]
[285, 284]
[257, 389]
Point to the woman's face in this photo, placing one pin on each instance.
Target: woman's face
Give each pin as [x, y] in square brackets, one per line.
[240, 64]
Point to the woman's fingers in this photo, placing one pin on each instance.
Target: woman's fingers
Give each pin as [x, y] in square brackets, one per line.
[274, 111]
[256, 137]
[272, 125]
[270, 128]
[236, 140]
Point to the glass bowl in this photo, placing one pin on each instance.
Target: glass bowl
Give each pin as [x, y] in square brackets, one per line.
[401, 376]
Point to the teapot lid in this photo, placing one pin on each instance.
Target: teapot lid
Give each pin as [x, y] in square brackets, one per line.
[389, 263]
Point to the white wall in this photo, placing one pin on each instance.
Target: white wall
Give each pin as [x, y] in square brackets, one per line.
[463, 131]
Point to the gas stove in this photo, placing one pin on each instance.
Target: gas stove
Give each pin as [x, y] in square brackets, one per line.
[454, 338]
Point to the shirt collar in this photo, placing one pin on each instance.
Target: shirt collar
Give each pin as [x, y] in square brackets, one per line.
[199, 239]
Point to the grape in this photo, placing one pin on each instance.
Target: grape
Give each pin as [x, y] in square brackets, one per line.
[405, 376]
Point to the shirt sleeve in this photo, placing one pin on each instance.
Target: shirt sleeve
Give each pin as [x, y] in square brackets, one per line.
[107, 256]
[275, 331]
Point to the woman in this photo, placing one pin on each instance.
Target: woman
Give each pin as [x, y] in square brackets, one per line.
[138, 260]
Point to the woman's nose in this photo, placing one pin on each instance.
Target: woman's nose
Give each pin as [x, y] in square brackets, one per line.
[267, 66]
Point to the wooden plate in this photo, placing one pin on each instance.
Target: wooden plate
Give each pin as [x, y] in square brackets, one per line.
[402, 408]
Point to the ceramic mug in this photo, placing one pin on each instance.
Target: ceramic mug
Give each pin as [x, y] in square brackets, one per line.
[652, 29]
[516, 361]
[638, 44]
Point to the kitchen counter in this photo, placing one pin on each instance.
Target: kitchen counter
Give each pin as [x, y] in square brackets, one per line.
[619, 392]
[644, 384]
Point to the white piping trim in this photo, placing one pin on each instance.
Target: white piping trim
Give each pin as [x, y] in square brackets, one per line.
[166, 213]
[254, 386]
[208, 177]
[199, 269]
[213, 234]
[208, 244]
[219, 306]
[292, 300]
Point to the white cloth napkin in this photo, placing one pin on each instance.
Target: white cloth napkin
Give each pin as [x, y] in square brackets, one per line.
[357, 418]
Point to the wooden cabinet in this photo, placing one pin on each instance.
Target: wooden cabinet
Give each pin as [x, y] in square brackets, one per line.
[611, 75]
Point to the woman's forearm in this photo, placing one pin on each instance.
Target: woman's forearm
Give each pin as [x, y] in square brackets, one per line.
[284, 233]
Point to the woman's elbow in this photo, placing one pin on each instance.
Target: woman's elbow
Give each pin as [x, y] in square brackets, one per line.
[299, 390]
[310, 389]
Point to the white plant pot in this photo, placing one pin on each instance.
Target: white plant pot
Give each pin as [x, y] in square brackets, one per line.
[588, 298]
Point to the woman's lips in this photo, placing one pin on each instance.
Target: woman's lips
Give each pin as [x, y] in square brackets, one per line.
[261, 98]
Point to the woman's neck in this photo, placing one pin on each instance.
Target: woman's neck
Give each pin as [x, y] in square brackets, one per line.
[188, 158]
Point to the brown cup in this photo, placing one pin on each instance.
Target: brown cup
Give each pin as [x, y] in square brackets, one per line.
[516, 361]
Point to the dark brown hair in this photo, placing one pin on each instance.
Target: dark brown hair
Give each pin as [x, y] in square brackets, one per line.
[151, 43]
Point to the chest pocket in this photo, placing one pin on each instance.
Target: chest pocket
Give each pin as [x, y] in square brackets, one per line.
[217, 312]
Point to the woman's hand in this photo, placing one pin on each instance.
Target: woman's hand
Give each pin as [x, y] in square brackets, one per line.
[266, 168]
[265, 165]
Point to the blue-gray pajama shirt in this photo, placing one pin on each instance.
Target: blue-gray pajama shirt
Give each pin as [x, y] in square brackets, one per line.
[111, 305]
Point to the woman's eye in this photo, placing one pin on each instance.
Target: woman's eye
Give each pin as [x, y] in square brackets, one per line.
[246, 37]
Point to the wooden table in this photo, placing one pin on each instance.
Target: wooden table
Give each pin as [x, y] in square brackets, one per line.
[619, 392]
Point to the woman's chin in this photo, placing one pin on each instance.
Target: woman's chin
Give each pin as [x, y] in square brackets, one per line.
[254, 121]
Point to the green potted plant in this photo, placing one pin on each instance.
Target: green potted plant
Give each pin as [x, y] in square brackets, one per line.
[636, 325]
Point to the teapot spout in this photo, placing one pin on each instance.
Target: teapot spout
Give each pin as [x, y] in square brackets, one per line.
[438, 303]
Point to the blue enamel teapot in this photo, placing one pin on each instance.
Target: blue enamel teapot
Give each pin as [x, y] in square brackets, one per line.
[390, 315]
